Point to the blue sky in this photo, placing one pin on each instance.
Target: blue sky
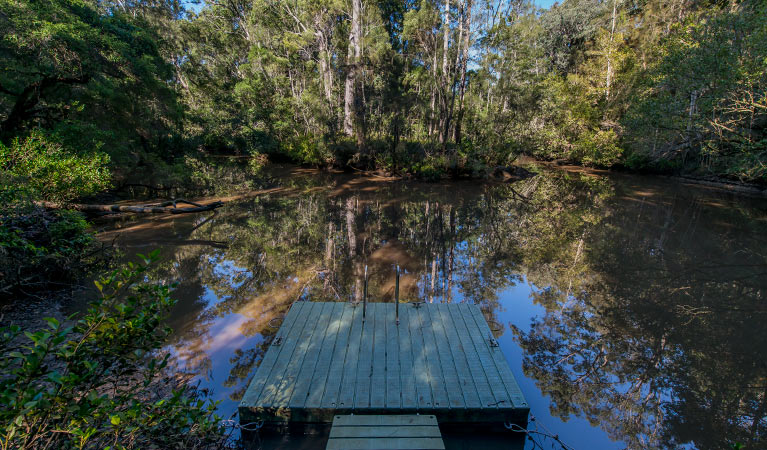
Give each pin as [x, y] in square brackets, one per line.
[544, 3]
[540, 3]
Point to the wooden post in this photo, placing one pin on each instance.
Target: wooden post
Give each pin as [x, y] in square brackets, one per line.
[365, 294]
[396, 295]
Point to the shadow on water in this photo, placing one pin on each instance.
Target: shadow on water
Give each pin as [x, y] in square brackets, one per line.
[631, 310]
[452, 441]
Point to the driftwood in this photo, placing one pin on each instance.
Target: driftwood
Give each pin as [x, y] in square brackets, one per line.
[156, 208]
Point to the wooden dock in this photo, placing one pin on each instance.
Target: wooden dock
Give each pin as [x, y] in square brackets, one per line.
[440, 360]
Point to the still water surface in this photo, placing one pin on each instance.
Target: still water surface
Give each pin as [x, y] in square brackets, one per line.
[632, 310]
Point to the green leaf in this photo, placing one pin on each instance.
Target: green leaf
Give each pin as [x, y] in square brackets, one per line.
[55, 377]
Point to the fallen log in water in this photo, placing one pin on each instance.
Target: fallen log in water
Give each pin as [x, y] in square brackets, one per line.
[157, 208]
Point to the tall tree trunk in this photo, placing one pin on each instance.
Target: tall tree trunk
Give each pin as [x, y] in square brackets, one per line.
[445, 38]
[455, 71]
[464, 63]
[352, 74]
[608, 79]
[443, 123]
[432, 119]
[325, 65]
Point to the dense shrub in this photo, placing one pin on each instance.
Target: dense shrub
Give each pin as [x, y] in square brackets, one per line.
[597, 148]
[40, 249]
[703, 105]
[95, 383]
[48, 171]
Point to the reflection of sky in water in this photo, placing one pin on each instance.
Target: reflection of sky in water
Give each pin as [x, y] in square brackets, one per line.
[517, 308]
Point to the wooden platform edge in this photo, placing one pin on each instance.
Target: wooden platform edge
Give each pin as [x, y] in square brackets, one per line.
[321, 414]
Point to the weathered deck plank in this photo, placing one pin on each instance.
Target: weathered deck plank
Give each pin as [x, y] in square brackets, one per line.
[330, 396]
[433, 363]
[305, 343]
[447, 362]
[476, 370]
[309, 365]
[388, 444]
[349, 377]
[422, 382]
[365, 365]
[407, 368]
[512, 388]
[437, 361]
[378, 372]
[285, 353]
[340, 316]
[265, 369]
[468, 387]
[481, 338]
[392, 368]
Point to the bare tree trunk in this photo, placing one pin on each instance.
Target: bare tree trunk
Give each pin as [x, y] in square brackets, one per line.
[609, 54]
[433, 89]
[325, 65]
[464, 63]
[690, 122]
[353, 60]
[445, 74]
[455, 71]
[446, 37]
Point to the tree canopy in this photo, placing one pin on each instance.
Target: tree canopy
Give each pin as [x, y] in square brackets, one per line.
[428, 87]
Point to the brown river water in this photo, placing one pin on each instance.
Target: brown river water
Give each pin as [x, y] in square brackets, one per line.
[632, 310]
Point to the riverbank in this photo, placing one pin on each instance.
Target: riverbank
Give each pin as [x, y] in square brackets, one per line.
[712, 181]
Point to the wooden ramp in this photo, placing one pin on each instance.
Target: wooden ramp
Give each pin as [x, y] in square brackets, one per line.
[440, 360]
[385, 432]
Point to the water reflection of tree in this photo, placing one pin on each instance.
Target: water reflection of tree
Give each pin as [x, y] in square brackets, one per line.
[664, 342]
[315, 240]
[315, 244]
[653, 302]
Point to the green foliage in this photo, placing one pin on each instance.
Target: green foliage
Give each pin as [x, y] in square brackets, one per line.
[257, 162]
[638, 84]
[702, 105]
[307, 150]
[599, 149]
[431, 168]
[91, 76]
[94, 383]
[46, 170]
[41, 250]
[206, 176]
